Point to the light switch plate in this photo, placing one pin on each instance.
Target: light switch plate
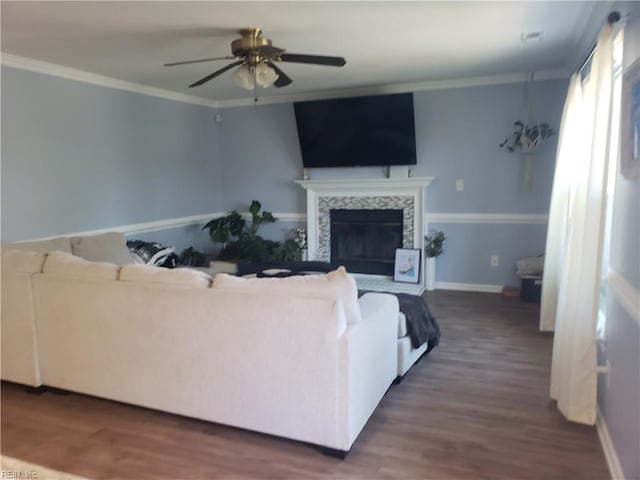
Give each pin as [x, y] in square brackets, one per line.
[460, 184]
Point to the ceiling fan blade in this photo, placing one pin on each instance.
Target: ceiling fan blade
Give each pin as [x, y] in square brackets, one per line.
[313, 59]
[173, 64]
[283, 79]
[216, 73]
[269, 51]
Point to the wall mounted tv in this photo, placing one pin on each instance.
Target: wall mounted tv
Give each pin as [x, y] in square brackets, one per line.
[358, 131]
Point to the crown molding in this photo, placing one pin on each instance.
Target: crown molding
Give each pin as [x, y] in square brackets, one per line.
[400, 88]
[55, 70]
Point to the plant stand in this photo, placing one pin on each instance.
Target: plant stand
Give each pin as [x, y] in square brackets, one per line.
[431, 274]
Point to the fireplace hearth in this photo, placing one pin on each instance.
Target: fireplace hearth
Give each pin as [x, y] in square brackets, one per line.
[365, 241]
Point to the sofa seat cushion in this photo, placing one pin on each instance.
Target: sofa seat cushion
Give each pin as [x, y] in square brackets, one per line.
[70, 266]
[185, 277]
[22, 261]
[338, 284]
[107, 247]
[61, 244]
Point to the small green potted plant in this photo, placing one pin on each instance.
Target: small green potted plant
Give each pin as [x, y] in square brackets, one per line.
[433, 247]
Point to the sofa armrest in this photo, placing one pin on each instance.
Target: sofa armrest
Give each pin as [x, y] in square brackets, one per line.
[370, 355]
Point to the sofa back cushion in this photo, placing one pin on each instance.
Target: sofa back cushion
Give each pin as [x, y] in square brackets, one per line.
[107, 247]
[337, 284]
[61, 244]
[70, 266]
[185, 277]
[22, 261]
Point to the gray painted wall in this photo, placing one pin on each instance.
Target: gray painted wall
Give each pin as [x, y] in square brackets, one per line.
[261, 158]
[458, 132]
[79, 157]
[619, 398]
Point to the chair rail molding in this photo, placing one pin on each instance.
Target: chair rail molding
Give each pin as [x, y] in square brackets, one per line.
[492, 218]
[625, 293]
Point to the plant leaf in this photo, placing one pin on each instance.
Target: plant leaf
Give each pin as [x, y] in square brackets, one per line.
[255, 207]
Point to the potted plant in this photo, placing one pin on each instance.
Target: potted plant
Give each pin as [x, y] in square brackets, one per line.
[434, 246]
[241, 242]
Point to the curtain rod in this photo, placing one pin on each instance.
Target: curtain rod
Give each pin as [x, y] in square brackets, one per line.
[612, 18]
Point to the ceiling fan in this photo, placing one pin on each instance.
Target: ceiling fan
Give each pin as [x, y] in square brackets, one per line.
[255, 58]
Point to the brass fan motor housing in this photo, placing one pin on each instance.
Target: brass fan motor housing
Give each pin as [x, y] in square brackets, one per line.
[251, 39]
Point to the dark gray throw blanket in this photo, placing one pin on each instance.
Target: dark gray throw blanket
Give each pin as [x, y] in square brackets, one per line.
[421, 326]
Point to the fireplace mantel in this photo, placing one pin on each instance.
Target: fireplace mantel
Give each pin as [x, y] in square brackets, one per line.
[369, 185]
[407, 191]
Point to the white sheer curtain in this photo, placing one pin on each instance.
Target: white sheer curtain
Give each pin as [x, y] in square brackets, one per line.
[576, 231]
[563, 186]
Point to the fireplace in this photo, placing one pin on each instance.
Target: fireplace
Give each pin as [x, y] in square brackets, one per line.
[400, 194]
[365, 241]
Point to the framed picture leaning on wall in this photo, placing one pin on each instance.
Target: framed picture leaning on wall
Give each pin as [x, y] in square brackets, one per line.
[407, 265]
[630, 122]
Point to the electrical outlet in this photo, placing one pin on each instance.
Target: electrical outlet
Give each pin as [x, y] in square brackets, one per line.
[495, 260]
[460, 184]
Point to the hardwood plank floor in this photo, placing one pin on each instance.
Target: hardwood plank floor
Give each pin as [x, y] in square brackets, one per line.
[476, 408]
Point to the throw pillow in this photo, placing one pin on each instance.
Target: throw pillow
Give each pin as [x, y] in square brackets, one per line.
[70, 266]
[338, 284]
[108, 247]
[185, 277]
[153, 253]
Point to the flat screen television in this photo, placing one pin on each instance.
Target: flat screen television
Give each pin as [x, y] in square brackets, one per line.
[358, 131]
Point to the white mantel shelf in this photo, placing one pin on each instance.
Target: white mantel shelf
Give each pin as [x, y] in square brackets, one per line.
[365, 183]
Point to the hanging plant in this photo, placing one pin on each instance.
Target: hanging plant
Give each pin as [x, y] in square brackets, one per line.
[527, 138]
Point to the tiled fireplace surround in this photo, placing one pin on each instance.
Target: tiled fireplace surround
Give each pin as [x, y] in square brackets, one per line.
[400, 193]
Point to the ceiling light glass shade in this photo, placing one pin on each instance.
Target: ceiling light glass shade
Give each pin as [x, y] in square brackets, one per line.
[243, 78]
[265, 75]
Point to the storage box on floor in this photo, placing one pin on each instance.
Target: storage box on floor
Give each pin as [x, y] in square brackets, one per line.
[531, 288]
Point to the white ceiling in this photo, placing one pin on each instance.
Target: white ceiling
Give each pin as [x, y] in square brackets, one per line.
[385, 43]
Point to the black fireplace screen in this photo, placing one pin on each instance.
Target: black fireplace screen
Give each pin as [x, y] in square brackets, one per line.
[365, 241]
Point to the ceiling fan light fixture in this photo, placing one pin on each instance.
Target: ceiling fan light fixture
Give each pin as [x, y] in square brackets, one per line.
[243, 77]
[265, 75]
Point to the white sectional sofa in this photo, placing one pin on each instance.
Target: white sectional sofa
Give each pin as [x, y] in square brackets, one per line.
[308, 361]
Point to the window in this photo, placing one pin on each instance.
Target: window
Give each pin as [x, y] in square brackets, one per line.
[614, 152]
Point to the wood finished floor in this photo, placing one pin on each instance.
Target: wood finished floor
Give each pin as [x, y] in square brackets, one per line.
[476, 408]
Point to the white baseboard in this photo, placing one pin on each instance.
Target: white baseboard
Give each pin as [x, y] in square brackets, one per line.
[469, 287]
[615, 469]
